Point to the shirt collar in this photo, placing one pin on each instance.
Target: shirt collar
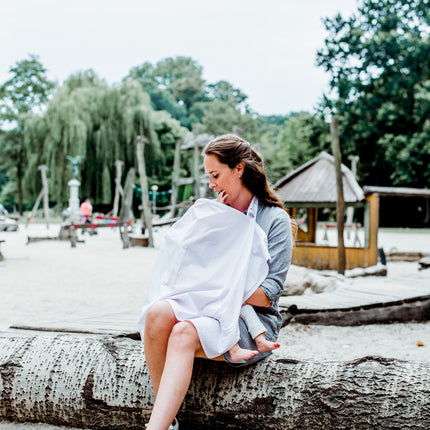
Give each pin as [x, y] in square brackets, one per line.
[252, 208]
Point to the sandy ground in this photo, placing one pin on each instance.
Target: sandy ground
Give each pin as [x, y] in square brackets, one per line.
[50, 281]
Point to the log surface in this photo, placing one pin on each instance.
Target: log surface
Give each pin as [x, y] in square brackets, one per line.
[101, 382]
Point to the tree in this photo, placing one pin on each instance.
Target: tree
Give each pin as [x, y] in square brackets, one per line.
[379, 66]
[224, 91]
[174, 85]
[288, 144]
[99, 123]
[23, 95]
[183, 76]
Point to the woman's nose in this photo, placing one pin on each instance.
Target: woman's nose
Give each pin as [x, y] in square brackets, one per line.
[212, 184]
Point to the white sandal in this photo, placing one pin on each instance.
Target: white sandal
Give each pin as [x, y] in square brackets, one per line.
[174, 426]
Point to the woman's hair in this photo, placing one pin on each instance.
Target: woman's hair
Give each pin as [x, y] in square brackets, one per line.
[231, 150]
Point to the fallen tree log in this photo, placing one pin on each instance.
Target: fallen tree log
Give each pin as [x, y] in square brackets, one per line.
[417, 310]
[101, 382]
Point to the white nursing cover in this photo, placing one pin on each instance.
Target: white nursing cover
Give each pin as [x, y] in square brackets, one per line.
[210, 262]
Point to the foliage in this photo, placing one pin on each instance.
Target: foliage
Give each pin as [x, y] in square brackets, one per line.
[379, 63]
[176, 85]
[98, 123]
[173, 84]
[25, 93]
[287, 145]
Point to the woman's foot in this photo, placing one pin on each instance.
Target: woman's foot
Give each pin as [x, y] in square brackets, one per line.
[265, 345]
[237, 353]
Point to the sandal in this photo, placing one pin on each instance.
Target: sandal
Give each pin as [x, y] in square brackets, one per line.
[174, 426]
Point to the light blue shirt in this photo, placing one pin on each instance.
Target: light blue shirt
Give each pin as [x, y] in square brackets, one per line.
[276, 223]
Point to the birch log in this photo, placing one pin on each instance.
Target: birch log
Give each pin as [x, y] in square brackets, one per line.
[102, 382]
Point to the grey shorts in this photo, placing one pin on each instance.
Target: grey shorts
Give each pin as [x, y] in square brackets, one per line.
[247, 342]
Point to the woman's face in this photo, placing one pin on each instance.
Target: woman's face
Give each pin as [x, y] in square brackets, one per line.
[224, 180]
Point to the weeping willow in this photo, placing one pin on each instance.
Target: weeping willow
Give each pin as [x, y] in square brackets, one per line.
[99, 123]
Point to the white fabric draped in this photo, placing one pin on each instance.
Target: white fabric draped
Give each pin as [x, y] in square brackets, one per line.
[210, 262]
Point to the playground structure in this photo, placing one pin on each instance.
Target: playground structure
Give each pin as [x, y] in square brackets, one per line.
[313, 186]
[122, 216]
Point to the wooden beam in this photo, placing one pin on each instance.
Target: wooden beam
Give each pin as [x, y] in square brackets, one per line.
[118, 188]
[340, 204]
[175, 177]
[140, 148]
[43, 169]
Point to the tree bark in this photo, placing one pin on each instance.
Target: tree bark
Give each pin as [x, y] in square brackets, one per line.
[102, 382]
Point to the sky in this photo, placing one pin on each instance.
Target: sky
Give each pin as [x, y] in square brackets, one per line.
[266, 48]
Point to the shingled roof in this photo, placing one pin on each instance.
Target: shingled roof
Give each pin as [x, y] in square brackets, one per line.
[315, 182]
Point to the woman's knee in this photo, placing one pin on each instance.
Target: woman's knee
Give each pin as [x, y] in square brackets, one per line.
[184, 336]
[160, 317]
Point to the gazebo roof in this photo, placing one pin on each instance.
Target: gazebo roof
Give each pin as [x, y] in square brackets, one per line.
[315, 182]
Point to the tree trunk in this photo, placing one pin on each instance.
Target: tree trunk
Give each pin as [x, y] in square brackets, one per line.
[102, 382]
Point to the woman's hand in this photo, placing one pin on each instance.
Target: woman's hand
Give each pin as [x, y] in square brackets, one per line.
[220, 198]
[259, 298]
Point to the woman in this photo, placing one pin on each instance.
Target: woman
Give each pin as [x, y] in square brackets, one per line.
[236, 173]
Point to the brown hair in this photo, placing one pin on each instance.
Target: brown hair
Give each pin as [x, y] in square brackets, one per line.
[231, 150]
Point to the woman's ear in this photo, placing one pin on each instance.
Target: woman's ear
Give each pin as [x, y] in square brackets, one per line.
[240, 167]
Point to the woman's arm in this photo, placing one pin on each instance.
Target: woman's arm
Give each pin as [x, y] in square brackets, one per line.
[258, 298]
[280, 247]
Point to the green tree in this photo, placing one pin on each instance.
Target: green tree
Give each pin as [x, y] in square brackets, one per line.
[379, 65]
[224, 91]
[288, 144]
[99, 123]
[161, 97]
[183, 76]
[22, 96]
[174, 85]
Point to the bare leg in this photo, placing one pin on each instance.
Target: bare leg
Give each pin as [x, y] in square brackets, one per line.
[237, 353]
[160, 320]
[176, 376]
[265, 345]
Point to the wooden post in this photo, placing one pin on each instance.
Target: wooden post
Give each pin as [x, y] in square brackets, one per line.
[126, 211]
[140, 148]
[175, 178]
[34, 210]
[118, 188]
[43, 168]
[196, 161]
[350, 210]
[340, 203]
[43, 194]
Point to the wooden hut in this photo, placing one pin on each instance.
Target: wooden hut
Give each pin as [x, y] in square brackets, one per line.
[313, 186]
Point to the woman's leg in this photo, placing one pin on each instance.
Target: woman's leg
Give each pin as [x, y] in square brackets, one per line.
[159, 322]
[182, 347]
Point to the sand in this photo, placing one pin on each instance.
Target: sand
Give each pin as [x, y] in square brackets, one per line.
[50, 281]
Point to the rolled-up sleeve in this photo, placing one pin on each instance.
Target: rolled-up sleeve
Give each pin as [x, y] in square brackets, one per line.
[280, 247]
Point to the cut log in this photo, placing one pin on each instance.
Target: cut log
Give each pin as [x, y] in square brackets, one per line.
[102, 382]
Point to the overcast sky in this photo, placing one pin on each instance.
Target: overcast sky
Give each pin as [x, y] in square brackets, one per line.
[267, 48]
